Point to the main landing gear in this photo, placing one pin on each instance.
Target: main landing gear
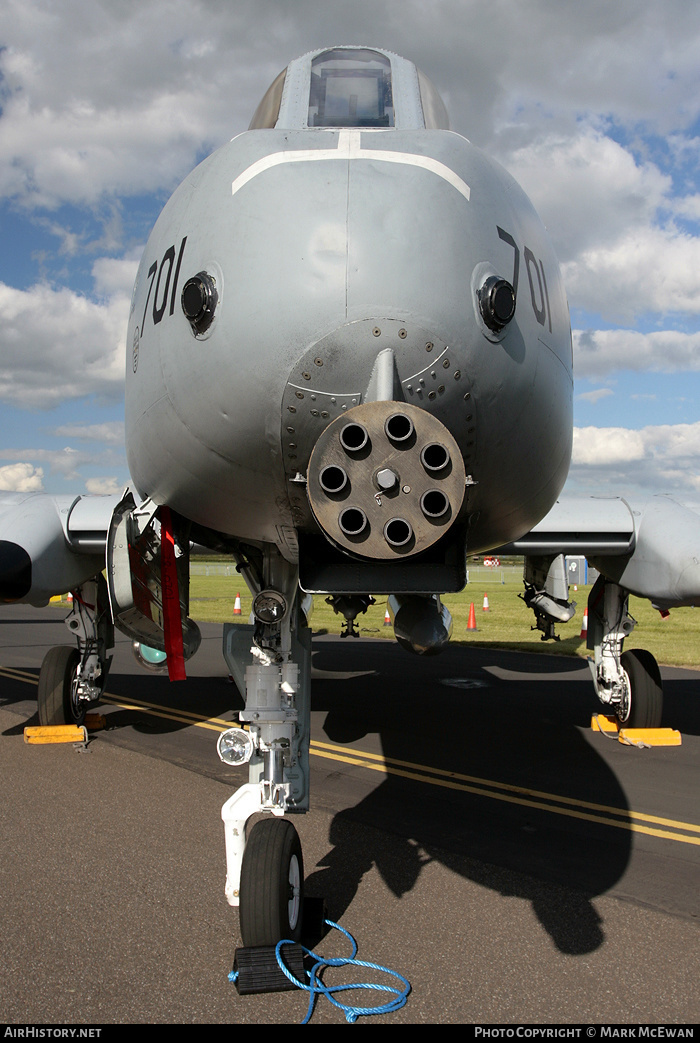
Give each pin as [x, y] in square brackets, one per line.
[72, 678]
[271, 664]
[627, 683]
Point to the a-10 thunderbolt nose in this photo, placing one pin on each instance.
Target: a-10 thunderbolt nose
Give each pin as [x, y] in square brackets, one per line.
[386, 480]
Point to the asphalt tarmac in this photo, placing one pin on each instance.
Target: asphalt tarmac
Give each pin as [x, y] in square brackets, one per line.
[468, 828]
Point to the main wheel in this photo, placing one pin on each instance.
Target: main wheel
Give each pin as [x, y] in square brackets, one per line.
[643, 702]
[272, 884]
[57, 694]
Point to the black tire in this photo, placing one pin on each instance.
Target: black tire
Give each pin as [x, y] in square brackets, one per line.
[272, 884]
[643, 708]
[57, 704]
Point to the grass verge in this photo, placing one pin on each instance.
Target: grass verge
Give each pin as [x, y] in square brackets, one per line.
[674, 641]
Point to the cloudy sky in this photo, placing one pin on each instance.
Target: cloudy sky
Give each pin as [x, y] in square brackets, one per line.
[593, 105]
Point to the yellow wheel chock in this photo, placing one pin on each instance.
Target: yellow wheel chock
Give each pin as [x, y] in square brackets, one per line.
[56, 733]
[634, 736]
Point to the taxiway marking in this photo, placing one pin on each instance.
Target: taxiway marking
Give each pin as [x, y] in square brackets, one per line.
[572, 807]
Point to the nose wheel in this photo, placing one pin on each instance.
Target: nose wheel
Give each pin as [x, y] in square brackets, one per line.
[272, 884]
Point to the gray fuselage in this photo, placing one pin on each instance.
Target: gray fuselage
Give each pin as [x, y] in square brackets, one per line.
[326, 247]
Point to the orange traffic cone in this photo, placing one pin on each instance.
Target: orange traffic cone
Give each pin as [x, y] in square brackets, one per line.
[237, 605]
[471, 625]
[584, 625]
[485, 606]
[69, 597]
[387, 618]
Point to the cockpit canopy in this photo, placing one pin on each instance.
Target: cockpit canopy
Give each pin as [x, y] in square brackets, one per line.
[351, 87]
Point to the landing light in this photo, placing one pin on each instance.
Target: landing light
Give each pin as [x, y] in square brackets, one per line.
[235, 747]
[269, 607]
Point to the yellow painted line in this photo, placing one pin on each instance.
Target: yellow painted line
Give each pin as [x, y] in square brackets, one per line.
[19, 675]
[475, 785]
[524, 791]
[508, 798]
[505, 792]
[192, 718]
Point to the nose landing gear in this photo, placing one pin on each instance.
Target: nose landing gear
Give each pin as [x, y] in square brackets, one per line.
[264, 864]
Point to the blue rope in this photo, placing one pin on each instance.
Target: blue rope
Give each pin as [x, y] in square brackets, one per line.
[316, 987]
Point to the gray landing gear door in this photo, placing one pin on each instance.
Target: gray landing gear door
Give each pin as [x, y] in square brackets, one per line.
[547, 593]
[148, 578]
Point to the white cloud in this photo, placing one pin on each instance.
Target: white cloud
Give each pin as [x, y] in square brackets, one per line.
[587, 188]
[120, 97]
[103, 101]
[57, 345]
[603, 446]
[116, 275]
[595, 396]
[65, 462]
[610, 220]
[645, 270]
[615, 460]
[66, 465]
[664, 442]
[597, 353]
[21, 478]
[101, 486]
[111, 432]
[688, 207]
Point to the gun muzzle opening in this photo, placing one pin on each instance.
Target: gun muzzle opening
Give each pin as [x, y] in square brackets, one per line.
[354, 438]
[352, 521]
[434, 457]
[399, 428]
[434, 503]
[333, 479]
[398, 532]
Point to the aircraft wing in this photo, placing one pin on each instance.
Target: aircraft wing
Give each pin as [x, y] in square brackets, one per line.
[50, 544]
[651, 549]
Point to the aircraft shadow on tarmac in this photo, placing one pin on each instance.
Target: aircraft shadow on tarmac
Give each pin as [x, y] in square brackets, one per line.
[510, 718]
[519, 730]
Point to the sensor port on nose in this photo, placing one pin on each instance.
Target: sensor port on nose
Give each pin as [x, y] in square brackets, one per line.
[434, 457]
[333, 479]
[199, 299]
[496, 303]
[397, 532]
[352, 521]
[354, 437]
[434, 503]
[399, 428]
